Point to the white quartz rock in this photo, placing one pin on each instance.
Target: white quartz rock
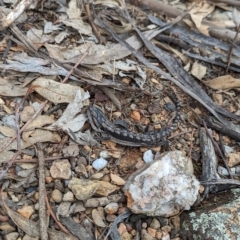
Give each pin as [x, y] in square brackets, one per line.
[99, 163]
[148, 156]
[163, 187]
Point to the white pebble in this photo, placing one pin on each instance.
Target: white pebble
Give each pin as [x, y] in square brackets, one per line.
[104, 154]
[148, 156]
[99, 163]
[228, 149]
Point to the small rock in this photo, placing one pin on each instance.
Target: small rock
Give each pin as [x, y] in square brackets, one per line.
[14, 198]
[61, 169]
[234, 159]
[99, 163]
[135, 115]
[134, 232]
[111, 208]
[106, 178]
[57, 196]
[106, 188]
[104, 154]
[155, 118]
[227, 149]
[145, 235]
[5, 226]
[36, 206]
[155, 224]
[117, 115]
[82, 160]
[82, 170]
[148, 156]
[86, 223]
[83, 189]
[77, 207]
[63, 209]
[117, 180]
[71, 150]
[166, 228]
[68, 197]
[154, 107]
[111, 217]
[152, 231]
[97, 176]
[92, 202]
[158, 235]
[11, 236]
[122, 228]
[165, 236]
[176, 222]
[48, 179]
[144, 225]
[26, 211]
[126, 236]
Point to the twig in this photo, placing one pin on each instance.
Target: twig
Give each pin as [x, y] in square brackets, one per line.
[229, 2]
[6, 51]
[17, 118]
[35, 160]
[42, 190]
[90, 19]
[191, 146]
[55, 219]
[231, 50]
[179, 134]
[218, 149]
[76, 65]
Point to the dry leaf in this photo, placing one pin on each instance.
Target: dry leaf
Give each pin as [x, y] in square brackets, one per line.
[70, 120]
[54, 91]
[39, 122]
[198, 70]
[200, 11]
[11, 88]
[223, 83]
[97, 219]
[73, 10]
[7, 131]
[6, 156]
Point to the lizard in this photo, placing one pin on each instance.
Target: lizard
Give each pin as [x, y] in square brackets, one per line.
[101, 124]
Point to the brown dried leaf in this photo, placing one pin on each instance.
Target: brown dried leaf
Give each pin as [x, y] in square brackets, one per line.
[54, 91]
[39, 122]
[97, 219]
[223, 83]
[11, 88]
[198, 70]
[7, 131]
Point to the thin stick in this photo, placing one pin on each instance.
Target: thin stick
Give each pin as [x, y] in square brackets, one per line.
[90, 19]
[218, 149]
[54, 217]
[76, 65]
[42, 190]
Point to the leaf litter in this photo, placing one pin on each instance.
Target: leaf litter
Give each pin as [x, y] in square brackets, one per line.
[123, 71]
